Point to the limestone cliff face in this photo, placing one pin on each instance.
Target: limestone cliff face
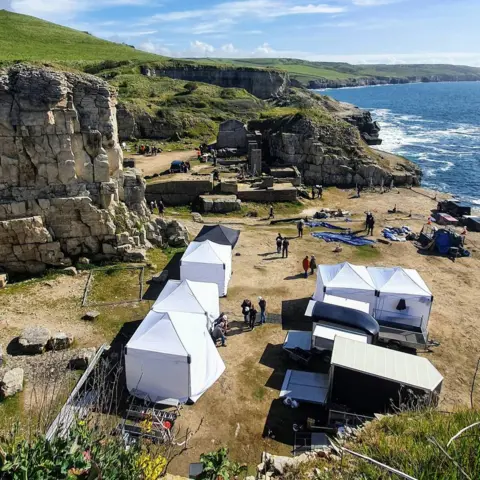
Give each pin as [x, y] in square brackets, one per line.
[366, 81]
[261, 83]
[331, 153]
[63, 191]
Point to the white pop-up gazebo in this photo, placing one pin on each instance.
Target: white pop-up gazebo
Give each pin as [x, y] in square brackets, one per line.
[403, 298]
[207, 262]
[171, 356]
[347, 281]
[189, 297]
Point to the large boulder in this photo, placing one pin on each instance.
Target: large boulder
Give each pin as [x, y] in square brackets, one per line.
[34, 340]
[60, 341]
[219, 203]
[11, 383]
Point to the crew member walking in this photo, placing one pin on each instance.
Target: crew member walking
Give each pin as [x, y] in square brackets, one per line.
[262, 303]
[279, 241]
[253, 317]
[306, 265]
[300, 226]
[285, 246]
[313, 264]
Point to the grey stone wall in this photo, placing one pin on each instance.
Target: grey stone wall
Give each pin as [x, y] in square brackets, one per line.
[179, 190]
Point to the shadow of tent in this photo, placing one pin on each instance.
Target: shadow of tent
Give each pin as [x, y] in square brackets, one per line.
[173, 268]
[293, 317]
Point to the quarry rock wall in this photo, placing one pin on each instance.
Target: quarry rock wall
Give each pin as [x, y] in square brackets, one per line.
[63, 190]
[261, 83]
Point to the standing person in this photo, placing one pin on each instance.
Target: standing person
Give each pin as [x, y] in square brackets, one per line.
[320, 191]
[300, 225]
[279, 241]
[313, 193]
[161, 207]
[253, 317]
[359, 189]
[246, 306]
[152, 207]
[367, 220]
[371, 224]
[313, 264]
[262, 303]
[285, 246]
[272, 213]
[306, 265]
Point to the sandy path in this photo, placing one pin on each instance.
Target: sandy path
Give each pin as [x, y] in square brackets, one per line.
[159, 163]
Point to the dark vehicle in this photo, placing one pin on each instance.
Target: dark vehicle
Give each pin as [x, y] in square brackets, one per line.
[177, 166]
[455, 208]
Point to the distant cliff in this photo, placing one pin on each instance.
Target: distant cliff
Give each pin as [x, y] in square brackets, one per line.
[261, 83]
[366, 81]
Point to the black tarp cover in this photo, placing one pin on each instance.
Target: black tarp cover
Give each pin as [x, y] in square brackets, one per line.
[347, 317]
[218, 234]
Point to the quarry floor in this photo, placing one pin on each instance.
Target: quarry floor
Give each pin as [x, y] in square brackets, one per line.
[235, 411]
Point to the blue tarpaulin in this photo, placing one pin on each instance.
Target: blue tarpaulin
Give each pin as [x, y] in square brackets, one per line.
[325, 225]
[339, 237]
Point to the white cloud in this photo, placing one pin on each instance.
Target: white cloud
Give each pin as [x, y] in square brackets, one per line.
[228, 48]
[264, 49]
[235, 10]
[154, 47]
[201, 48]
[373, 3]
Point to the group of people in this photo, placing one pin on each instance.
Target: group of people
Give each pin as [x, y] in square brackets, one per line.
[148, 150]
[205, 149]
[249, 312]
[309, 264]
[318, 191]
[369, 223]
[282, 245]
[157, 204]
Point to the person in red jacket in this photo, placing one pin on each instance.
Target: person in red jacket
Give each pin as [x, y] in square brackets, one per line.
[306, 266]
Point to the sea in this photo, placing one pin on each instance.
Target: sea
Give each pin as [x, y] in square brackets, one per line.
[436, 125]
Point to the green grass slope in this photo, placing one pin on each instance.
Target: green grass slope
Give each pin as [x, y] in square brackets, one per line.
[305, 71]
[31, 39]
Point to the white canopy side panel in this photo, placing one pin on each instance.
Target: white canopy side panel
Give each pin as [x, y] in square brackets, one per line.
[416, 313]
[205, 272]
[206, 366]
[160, 376]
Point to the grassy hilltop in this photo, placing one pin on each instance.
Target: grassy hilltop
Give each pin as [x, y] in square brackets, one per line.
[305, 71]
[30, 39]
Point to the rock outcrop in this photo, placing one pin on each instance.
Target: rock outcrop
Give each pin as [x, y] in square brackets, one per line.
[261, 83]
[11, 383]
[329, 151]
[63, 191]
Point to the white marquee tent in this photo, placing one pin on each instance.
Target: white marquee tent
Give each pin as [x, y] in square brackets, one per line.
[207, 262]
[172, 356]
[346, 281]
[189, 297]
[396, 296]
[403, 297]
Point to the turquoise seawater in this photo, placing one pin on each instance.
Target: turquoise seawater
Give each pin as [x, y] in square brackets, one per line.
[436, 125]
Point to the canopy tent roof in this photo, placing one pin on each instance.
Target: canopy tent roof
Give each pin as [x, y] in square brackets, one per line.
[403, 368]
[190, 297]
[348, 317]
[218, 234]
[171, 355]
[170, 333]
[345, 275]
[399, 281]
[207, 252]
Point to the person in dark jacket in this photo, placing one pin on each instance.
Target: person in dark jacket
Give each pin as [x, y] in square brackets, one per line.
[285, 246]
[313, 264]
[371, 224]
[272, 213]
[246, 306]
[279, 241]
[253, 317]
[219, 333]
[262, 303]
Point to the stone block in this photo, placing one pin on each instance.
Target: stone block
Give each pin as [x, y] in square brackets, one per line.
[11, 383]
[60, 341]
[82, 358]
[91, 315]
[33, 340]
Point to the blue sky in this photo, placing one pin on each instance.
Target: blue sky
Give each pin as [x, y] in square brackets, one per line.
[356, 31]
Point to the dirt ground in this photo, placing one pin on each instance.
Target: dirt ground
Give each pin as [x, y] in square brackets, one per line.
[244, 403]
[159, 163]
